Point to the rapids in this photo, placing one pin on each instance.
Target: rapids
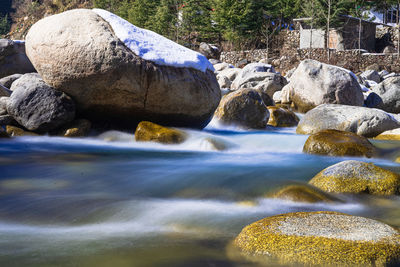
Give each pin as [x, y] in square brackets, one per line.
[110, 201]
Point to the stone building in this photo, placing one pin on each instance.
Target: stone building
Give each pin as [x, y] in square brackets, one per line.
[345, 37]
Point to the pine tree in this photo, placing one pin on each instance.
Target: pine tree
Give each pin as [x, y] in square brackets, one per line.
[165, 19]
[142, 11]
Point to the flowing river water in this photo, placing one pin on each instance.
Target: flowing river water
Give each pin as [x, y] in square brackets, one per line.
[110, 201]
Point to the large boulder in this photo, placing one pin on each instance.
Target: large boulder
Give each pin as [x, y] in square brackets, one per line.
[13, 58]
[389, 92]
[363, 121]
[37, 106]
[120, 74]
[244, 108]
[320, 239]
[314, 83]
[339, 143]
[357, 177]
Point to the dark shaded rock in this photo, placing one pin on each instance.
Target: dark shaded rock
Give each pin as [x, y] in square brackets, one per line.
[280, 117]
[38, 107]
[13, 58]
[76, 128]
[209, 51]
[8, 80]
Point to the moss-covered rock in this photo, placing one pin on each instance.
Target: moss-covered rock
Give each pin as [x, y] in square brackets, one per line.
[320, 238]
[280, 117]
[150, 132]
[302, 193]
[77, 128]
[353, 176]
[339, 143]
[16, 131]
[244, 108]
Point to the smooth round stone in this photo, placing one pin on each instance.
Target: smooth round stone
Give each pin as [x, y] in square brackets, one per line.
[320, 238]
[353, 176]
[302, 193]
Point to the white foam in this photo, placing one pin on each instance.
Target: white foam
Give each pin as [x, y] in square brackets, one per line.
[154, 47]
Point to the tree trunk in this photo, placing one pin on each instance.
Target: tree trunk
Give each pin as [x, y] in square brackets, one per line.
[327, 31]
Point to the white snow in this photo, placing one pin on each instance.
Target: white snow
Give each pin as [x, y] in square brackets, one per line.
[154, 47]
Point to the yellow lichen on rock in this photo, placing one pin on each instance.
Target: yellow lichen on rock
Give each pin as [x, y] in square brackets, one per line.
[77, 128]
[150, 132]
[15, 131]
[357, 177]
[280, 117]
[339, 143]
[389, 135]
[320, 238]
[302, 193]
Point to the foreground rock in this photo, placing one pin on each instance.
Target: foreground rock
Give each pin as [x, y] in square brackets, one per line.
[362, 121]
[16, 131]
[13, 58]
[357, 177]
[302, 193]
[314, 83]
[38, 107]
[321, 238]
[151, 132]
[243, 108]
[339, 143]
[280, 117]
[389, 92]
[110, 83]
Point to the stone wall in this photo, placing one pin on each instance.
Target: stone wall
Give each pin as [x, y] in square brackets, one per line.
[285, 54]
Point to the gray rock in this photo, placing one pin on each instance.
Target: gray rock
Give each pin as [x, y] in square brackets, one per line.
[221, 66]
[243, 108]
[277, 96]
[3, 105]
[256, 67]
[7, 81]
[77, 52]
[209, 50]
[389, 92]
[389, 50]
[13, 58]
[372, 100]
[214, 61]
[314, 83]
[363, 121]
[267, 82]
[371, 75]
[224, 81]
[383, 73]
[390, 75]
[230, 73]
[38, 107]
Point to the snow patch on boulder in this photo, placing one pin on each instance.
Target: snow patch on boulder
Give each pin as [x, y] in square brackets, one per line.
[154, 47]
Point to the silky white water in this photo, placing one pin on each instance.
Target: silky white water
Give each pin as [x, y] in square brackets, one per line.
[108, 200]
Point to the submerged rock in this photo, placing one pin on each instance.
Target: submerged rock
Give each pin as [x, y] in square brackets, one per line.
[151, 132]
[302, 193]
[314, 83]
[37, 106]
[280, 117]
[363, 121]
[357, 177]
[339, 143]
[243, 108]
[320, 238]
[110, 83]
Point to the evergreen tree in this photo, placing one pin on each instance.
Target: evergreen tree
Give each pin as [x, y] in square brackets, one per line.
[142, 12]
[4, 25]
[166, 18]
